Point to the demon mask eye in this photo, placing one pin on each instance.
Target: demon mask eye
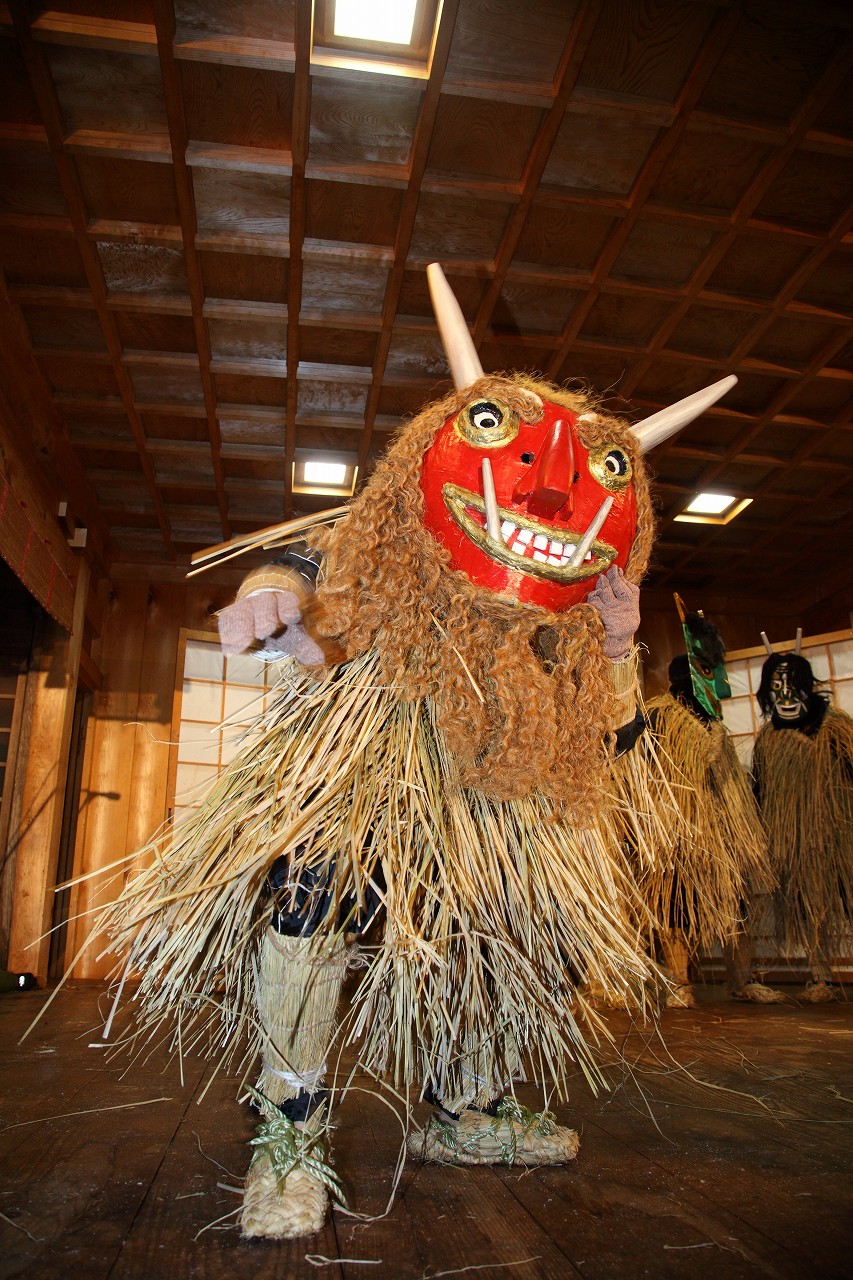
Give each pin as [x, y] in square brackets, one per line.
[611, 467]
[488, 424]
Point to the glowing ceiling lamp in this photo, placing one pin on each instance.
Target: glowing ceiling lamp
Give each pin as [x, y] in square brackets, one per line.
[710, 504]
[325, 472]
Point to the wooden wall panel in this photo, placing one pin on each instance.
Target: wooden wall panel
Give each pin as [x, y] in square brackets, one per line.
[147, 807]
[107, 782]
[125, 778]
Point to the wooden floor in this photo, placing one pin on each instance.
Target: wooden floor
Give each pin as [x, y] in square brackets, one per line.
[749, 1177]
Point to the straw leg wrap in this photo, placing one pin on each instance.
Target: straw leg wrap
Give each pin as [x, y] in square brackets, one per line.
[676, 955]
[737, 954]
[298, 989]
[820, 989]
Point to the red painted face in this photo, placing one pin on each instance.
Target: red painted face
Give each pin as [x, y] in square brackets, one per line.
[549, 489]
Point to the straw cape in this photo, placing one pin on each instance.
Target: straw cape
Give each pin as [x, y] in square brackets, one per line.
[494, 911]
[714, 853]
[805, 784]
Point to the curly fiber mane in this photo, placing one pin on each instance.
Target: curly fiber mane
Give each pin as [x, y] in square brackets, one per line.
[521, 694]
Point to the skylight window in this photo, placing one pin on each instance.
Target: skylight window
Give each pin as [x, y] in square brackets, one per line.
[382, 21]
[381, 37]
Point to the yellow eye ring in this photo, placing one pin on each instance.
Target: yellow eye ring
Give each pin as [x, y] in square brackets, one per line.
[611, 466]
[487, 424]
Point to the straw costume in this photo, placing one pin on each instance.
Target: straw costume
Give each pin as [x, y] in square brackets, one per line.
[714, 856]
[803, 769]
[438, 756]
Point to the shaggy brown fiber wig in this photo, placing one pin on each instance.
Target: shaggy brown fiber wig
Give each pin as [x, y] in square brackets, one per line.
[521, 695]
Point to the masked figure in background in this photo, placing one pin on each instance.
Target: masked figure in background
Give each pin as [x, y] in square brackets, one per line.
[803, 769]
[714, 858]
[447, 765]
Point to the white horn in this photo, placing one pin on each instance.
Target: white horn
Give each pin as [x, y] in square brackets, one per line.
[592, 532]
[799, 640]
[663, 424]
[767, 645]
[456, 339]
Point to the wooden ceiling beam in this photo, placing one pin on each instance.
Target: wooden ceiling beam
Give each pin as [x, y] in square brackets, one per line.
[720, 32]
[51, 113]
[164, 19]
[112, 230]
[237, 51]
[152, 147]
[571, 60]
[828, 84]
[55, 26]
[421, 141]
[37, 224]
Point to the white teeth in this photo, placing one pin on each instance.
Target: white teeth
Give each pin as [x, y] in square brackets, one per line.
[539, 555]
[525, 535]
[507, 530]
[556, 560]
[540, 542]
[588, 556]
[518, 547]
[556, 548]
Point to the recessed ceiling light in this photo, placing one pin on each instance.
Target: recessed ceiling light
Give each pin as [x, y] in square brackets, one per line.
[713, 508]
[710, 504]
[325, 472]
[386, 21]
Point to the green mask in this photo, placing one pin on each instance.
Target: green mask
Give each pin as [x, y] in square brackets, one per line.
[710, 683]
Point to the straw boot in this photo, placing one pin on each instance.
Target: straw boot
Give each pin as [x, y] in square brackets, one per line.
[298, 989]
[675, 956]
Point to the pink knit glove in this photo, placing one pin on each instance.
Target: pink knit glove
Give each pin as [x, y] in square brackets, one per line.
[255, 617]
[618, 602]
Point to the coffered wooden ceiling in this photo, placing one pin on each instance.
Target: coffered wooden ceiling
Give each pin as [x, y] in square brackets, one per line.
[214, 244]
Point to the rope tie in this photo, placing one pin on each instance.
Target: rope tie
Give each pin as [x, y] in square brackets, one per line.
[310, 1081]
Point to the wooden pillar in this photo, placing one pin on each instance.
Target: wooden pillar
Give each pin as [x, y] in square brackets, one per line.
[54, 687]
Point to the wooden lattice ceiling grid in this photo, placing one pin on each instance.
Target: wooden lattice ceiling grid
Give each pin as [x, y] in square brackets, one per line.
[215, 250]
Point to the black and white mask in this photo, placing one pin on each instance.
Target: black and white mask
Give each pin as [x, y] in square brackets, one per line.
[789, 702]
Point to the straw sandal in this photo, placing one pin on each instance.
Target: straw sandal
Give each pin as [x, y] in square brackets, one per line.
[513, 1135]
[289, 1179]
[759, 993]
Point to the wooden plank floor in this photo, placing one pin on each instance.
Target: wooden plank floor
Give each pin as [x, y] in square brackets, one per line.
[724, 1153]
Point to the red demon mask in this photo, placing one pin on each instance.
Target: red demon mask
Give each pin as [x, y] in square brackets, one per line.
[565, 513]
